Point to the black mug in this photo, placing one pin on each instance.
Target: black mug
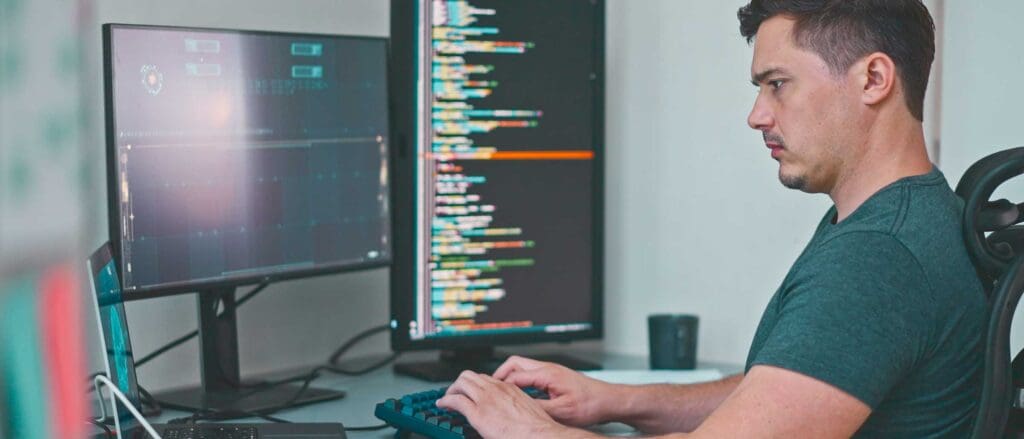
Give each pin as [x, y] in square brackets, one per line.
[673, 341]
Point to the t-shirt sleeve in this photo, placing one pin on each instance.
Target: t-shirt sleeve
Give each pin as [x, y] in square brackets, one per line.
[853, 316]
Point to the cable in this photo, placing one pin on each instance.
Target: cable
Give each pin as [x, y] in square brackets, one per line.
[115, 392]
[333, 359]
[150, 406]
[177, 342]
[306, 378]
[226, 415]
[106, 430]
[184, 338]
[332, 367]
[148, 398]
[89, 383]
[384, 362]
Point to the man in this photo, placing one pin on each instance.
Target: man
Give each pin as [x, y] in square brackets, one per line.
[876, 330]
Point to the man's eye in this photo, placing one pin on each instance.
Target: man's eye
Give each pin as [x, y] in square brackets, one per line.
[776, 84]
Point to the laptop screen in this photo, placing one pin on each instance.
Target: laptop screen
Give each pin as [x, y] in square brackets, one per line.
[114, 331]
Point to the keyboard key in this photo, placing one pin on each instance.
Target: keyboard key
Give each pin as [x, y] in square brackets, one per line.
[418, 413]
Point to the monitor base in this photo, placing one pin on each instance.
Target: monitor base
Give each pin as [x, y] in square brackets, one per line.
[243, 400]
[451, 363]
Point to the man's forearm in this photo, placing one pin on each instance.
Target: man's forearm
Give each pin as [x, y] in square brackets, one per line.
[665, 408]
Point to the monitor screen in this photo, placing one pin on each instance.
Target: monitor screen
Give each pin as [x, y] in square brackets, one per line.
[240, 157]
[113, 325]
[499, 239]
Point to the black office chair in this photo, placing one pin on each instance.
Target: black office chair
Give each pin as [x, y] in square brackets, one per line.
[999, 260]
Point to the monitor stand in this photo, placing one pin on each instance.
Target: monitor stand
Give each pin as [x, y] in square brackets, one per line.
[221, 388]
[482, 359]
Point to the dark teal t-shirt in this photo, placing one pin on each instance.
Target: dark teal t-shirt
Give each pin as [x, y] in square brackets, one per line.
[886, 306]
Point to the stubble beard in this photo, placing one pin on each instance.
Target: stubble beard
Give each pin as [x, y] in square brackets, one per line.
[797, 182]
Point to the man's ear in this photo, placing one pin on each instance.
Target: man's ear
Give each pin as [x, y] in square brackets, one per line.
[876, 74]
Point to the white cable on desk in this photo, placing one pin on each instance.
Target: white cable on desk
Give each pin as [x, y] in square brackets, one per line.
[102, 379]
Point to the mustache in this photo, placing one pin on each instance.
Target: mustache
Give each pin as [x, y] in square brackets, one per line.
[773, 138]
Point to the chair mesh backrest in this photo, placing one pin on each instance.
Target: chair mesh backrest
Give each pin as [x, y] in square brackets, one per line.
[995, 244]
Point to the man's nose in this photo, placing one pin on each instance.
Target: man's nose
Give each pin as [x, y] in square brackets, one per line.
[760, 117]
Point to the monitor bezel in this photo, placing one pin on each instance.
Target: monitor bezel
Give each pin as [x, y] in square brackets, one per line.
[404, 28]
[113, 206]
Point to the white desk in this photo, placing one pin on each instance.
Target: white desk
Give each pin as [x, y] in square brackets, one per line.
[364, 392]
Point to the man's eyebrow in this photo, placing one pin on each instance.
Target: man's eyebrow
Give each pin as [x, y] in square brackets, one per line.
[758, 78]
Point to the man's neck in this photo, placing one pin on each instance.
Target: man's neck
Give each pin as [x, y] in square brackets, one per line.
[889, 154]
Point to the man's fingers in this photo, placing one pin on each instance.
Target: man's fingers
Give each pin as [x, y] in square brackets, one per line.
[492, 384]
[538, 378]
[549, 406]
[514, 363]
[459, 403]
[468, 384]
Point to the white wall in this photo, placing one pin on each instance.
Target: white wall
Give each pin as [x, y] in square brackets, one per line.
[982, 99]
[981, 93]
[697, 220]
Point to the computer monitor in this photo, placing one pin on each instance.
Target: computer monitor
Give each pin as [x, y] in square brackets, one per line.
[242, 157]
[498, 184]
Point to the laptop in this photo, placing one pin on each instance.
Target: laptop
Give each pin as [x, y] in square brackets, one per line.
[120, 367]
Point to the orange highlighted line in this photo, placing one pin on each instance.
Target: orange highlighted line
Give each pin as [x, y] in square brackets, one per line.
[542, 155]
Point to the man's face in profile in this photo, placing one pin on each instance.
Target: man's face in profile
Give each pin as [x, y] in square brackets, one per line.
[802, 109]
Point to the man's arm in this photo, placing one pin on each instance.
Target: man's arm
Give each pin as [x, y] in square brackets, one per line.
[775, 402]
[768, 402]
[580, 401]
[664, 408]
[771, 402]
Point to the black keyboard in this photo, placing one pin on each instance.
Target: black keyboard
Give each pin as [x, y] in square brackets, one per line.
[209, 431]
[418, 413]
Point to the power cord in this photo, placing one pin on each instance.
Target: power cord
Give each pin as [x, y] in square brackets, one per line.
[227, 415]
[332, 366]
[150, 406]
[306, 378]
[99, 381]
[333, 359]
[195, 333]
[185, 338]
[106, 430]
[154, 405]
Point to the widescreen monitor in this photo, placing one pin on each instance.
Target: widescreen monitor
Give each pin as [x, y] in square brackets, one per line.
[242, 157]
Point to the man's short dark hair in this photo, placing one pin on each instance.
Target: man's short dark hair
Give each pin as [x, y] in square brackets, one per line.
[844, 31]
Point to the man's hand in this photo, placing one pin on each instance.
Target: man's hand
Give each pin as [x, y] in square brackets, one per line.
[498, 409]
[576, 399]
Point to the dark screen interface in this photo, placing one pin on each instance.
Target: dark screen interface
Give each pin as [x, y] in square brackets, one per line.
[247, 154]
[506, 167]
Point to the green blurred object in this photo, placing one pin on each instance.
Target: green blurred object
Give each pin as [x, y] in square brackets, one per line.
[3, 396]
[10, 65]
[9, 9]
[58, 129]
[22, 362]
[19, 176]
[68, 58]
